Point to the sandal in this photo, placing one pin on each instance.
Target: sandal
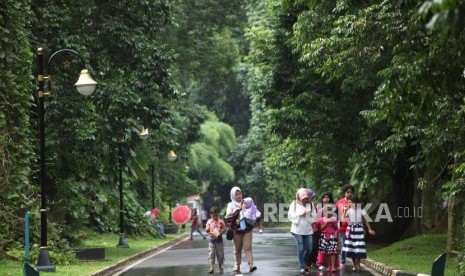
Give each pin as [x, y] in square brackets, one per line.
[253, 268]
[210, 271]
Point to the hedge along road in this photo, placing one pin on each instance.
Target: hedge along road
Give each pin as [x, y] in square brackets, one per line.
[274, 254]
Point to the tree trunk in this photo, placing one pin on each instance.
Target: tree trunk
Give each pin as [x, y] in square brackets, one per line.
[428, 202]
[417, 200]
[455, 230]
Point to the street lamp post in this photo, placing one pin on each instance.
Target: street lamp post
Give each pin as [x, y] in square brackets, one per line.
[144, 134]
[171, 157]
[152, 179]
[122, 240]
[86, 86]
[122, 160]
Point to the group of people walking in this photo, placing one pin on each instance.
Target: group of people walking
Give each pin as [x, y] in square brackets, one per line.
[325, 234]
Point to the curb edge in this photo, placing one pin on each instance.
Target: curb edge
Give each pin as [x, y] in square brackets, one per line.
[121, 264]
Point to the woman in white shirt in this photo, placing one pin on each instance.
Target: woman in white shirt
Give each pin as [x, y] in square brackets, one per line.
[302, 214]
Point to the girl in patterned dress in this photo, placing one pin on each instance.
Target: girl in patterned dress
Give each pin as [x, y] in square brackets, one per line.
[326, 200]
[354, 245]
[328, 239]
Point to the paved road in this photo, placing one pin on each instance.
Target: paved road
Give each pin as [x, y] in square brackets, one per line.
[274, 254]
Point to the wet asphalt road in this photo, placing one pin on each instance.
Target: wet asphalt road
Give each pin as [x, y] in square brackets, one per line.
[274, 254]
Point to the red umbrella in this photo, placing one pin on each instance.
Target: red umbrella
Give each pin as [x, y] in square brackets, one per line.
[181, 214]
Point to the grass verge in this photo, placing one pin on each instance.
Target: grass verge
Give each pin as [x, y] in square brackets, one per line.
[113, 255]
[415, 255]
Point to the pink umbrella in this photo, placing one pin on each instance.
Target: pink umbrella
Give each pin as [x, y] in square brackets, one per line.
[181, 214]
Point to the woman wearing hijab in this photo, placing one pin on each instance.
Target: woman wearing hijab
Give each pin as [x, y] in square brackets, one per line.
[242, 215]
[302, 214]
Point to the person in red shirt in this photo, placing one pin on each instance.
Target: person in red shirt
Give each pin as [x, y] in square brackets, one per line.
[342, 205]
[195, 224]
[327, 203]
[328, 240]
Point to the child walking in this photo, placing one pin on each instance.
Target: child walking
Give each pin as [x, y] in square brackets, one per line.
[354, 245]
[249, 214]
[328, 239]
[326, 200]
[215, 227]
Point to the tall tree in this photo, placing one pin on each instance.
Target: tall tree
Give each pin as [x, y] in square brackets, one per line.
[208, 39]
[208, 162]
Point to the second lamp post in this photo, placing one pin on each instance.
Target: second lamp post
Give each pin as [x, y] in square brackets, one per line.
[121, 162]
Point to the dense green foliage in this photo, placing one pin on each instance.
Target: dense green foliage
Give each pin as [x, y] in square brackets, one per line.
[16, 143]
[209, 154]
[123, 43]
[208, 38]
[318, 94]
[132, 69]
[358, 92]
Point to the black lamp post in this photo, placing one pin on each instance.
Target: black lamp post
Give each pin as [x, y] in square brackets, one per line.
[170, 218]
[86, 86]
[122, 160]
[152, 179]
[122, 240]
